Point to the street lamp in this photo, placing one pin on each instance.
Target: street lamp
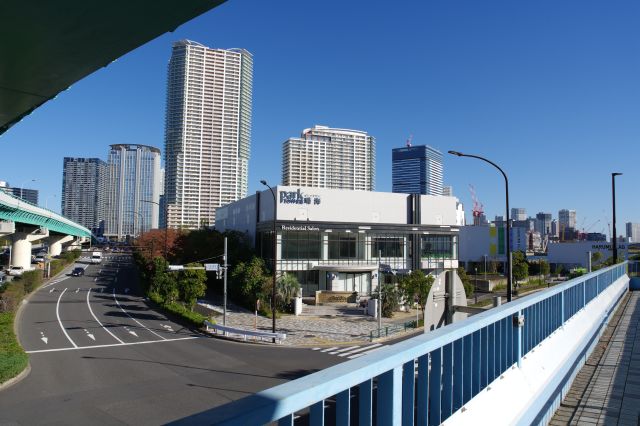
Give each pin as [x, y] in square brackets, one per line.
[508, 227]
[614, 241]
[46, 201]
[166, 224]
[275, 256]
[22, 187]
[141, 219]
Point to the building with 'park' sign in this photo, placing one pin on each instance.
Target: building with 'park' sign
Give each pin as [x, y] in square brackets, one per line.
[337, 240]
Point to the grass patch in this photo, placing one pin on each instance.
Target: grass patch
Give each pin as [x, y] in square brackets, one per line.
[482, 303]
[13, 359]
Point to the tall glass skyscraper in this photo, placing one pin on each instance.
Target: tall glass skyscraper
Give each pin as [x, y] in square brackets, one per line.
[416, 170]
[133, 176]
[83, 191]
[207, 131]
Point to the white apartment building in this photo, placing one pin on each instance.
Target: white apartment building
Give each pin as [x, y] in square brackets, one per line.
[207, 131]
[133, 176]
[323, 157]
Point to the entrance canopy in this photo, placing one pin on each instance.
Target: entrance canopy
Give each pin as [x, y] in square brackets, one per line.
[49, 45]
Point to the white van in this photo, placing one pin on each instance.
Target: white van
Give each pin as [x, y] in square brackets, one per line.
[96, 257]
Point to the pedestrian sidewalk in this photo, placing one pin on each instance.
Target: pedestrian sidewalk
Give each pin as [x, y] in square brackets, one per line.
[329, 325]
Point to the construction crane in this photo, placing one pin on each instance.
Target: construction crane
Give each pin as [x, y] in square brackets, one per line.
[477, 206]
[591, 226]
[409, 139]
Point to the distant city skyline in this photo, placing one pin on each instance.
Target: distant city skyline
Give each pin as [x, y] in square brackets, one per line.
[496, 97]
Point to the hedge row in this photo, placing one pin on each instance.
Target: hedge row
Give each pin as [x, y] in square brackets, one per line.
[194, 318]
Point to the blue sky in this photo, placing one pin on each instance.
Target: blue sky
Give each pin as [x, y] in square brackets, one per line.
[548, 90]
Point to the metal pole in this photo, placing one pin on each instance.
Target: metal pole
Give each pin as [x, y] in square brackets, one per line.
[509, 270]
[275, 260]
[166, 227]
[379, 293]
[614, 237]
[224, 258]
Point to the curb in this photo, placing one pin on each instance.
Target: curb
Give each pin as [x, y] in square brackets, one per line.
[16, 379]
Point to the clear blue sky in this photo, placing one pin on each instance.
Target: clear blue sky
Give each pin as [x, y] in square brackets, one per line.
[549, 90]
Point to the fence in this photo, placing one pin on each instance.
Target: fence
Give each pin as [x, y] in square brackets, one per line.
[423, 380]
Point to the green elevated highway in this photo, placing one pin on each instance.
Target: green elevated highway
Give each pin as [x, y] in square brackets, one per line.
[23, 223]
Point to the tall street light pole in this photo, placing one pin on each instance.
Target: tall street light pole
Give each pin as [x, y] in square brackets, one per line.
[614, 239]
[275, 258]
[166, 224]
[22, 187]
[508, 227]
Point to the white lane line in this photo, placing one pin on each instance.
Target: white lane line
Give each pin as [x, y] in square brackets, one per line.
[343, 350]
[364, 353]
[60, 322]
[98, 321]
[113, 345]
[137, 322]
[361, 349]
[329, 349]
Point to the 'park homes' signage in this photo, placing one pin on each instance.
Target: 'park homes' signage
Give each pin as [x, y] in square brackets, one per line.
[300, 228]
[298, 197]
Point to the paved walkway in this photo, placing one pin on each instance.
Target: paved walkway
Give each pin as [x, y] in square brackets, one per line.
[606, 391]
[330, 325]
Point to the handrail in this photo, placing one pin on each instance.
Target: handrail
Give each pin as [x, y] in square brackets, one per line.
[231, 330]
[485, 345]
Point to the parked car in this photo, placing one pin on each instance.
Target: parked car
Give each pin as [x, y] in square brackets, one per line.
[77, 272]
[16, 271]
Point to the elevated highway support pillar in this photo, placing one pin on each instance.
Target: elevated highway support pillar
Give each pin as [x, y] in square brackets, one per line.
[21, 247]
[55, 243]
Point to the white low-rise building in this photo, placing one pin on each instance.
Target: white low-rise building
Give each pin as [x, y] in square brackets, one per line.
[337, 240]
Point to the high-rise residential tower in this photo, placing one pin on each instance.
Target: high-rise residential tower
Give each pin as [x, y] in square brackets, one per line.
[566, 219]
[207, 131]
[543, 223]
[633, 232]
[518, 213]
[416, 170]
[83, 190]
[133, 176]
[323, 157]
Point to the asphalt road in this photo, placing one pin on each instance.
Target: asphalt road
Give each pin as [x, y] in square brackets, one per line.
[100, 355]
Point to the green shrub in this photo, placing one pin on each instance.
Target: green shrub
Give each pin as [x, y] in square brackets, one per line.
[13, 359]
[57, 265]
[12, 296]
[178, 309]
[31, 280]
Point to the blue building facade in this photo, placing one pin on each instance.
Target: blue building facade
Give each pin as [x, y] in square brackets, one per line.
[417, 170]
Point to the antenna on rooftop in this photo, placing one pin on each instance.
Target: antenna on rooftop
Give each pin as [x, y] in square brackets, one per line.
[409, 140]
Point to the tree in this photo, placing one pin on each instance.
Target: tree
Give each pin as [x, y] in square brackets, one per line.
[466, 281]
[163, 283]
[247, 281]
[545, 268]
[416, 286]
[287, 287]
[192, 284]
[519, 266]
[390, 300]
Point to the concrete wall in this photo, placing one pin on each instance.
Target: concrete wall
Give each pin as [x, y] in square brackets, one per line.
[576, 253]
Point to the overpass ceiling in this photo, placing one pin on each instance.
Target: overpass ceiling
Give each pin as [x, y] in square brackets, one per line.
[49, 45]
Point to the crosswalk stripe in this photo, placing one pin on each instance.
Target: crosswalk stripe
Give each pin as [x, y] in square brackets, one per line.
[364, 353]
[316, 349]
[360, 350]
[329, 349]
[342, 350]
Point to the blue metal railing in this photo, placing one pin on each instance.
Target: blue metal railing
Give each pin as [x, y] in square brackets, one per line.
[430, 376]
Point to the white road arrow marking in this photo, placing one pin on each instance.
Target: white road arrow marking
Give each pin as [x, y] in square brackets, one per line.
[168, 327]
[52, 290]
[44, 339]
[91, 336]
[77, 290]
[131, 332]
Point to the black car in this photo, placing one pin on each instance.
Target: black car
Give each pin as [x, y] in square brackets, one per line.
[77, 272]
